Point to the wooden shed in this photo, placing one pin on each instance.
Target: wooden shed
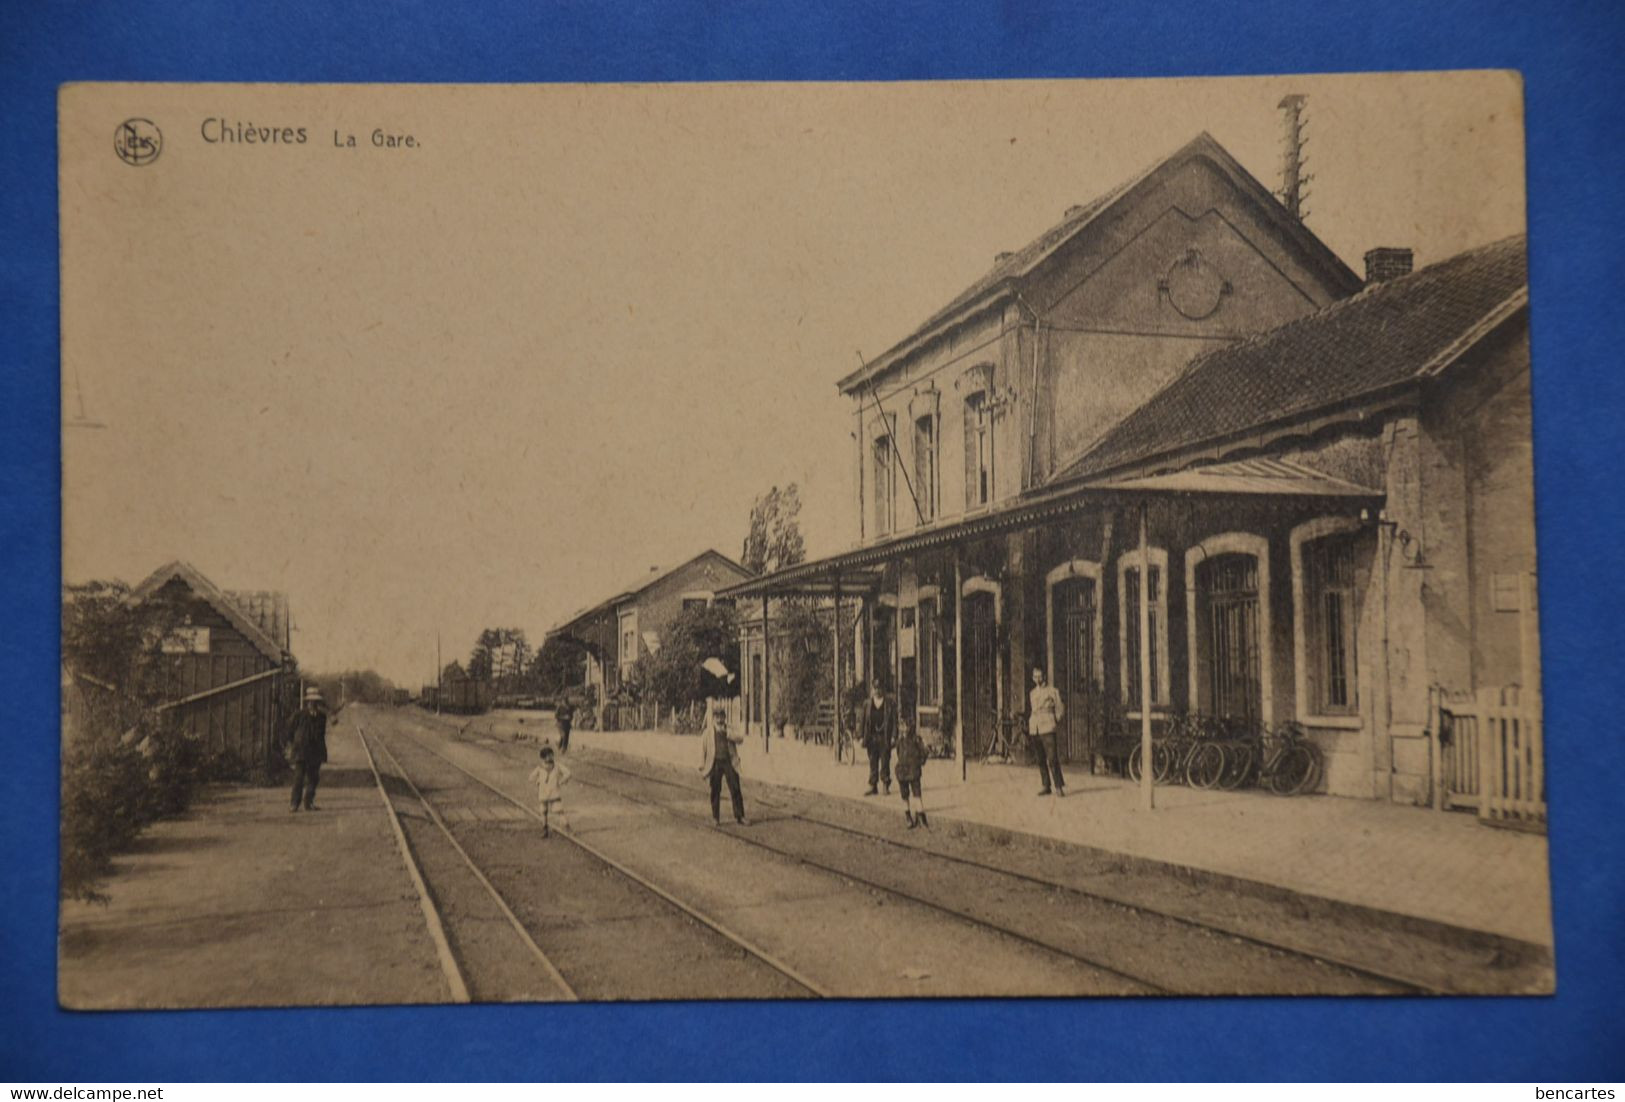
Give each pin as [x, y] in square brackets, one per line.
[233, 677]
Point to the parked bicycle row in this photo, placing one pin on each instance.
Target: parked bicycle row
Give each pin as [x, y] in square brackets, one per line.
[1227, 753]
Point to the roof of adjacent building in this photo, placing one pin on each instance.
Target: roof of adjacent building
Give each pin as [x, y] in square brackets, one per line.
[1012, 267]
[640, 582]
[1392, 333]
[263, 621]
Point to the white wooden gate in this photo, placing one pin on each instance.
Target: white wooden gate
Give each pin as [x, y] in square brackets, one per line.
[1491, 754]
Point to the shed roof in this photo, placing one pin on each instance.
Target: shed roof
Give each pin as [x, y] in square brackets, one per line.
[1395, 332]
[256, 625]
[266, 607]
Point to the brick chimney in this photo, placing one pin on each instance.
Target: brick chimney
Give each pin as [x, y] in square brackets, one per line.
[1387, 263]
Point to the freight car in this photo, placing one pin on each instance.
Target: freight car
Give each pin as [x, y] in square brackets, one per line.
[465, 697]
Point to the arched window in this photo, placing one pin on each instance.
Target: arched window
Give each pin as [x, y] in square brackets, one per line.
[884, 483]
[925, 466]
[1227, 581]
[1326, 567]
[978, 451]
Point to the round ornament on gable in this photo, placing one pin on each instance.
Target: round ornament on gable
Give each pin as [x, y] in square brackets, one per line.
[1194, 287]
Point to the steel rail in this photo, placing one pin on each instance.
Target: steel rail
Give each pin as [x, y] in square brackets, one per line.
[507, 912]
[1368, 971]
[431, 913]
[1150, 986]
[697, 915]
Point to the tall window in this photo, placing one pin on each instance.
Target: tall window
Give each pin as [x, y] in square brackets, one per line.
[928, 640]
[925, 466]
[629, 642]
[1329, 622]
[885, 474]
[1129, 590]
[978, 451]
[1228, 597]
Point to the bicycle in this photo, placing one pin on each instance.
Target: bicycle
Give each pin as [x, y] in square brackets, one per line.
[1287, 762]
[846, 747]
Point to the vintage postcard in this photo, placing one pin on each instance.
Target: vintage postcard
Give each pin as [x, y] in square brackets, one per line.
[625, 542]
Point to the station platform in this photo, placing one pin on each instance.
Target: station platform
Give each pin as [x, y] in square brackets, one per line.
[240, 903]
[1436, 867]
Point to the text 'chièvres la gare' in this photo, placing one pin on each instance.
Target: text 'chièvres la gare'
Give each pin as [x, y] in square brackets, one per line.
[218, 131]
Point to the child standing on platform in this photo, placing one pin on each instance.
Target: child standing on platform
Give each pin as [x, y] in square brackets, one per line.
[549, 778]
[910, 764]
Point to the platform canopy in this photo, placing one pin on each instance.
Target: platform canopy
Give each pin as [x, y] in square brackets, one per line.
[860, 570]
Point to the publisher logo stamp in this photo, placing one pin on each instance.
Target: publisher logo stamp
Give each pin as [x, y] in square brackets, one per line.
[137, 141]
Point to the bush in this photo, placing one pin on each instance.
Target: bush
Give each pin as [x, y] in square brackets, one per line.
[128, 764]
[104, 806]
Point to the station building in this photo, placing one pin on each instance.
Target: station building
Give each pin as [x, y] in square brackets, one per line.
[1327, 478]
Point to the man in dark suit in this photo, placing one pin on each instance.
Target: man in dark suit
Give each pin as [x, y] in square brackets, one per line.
[877, 730]
[307, 748]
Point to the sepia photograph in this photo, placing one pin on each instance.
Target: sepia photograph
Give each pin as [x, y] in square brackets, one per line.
[769, 541]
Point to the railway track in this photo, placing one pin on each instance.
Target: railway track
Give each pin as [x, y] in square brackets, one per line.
[1391, 982]
[481, 966]
[1326, 972]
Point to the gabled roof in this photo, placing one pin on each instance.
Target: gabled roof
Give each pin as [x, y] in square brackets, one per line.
[267, 608]
[1392, 333]
[638, 584]
[246, 622]
[999, 281]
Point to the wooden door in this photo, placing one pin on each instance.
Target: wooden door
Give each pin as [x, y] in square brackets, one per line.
[1074, 673]
[980, 673]
[1228, 588]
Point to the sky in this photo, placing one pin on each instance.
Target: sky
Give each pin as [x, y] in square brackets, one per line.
[573, 331]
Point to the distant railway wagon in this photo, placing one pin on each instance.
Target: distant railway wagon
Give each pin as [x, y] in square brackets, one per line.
[429, 696]
[402, 697]
[465, 697]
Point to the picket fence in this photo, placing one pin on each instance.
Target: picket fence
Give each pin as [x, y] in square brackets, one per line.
[1491, 749]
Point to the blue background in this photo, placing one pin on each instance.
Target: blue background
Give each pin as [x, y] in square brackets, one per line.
[1570, 55]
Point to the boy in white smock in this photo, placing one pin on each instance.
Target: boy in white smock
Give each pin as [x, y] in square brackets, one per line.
[549, 778]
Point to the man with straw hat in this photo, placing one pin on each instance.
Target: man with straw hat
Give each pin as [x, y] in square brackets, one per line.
[307, 748]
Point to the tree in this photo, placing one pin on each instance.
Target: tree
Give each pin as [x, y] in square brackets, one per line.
[557, 665]
[802, 663]
[774, 539]
[500, 657]
[672, 674]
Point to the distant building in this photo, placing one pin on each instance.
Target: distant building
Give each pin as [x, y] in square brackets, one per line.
[624, 626]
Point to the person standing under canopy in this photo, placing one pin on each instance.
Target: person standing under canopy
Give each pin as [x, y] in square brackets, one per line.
[1044, 712]
[877, 730]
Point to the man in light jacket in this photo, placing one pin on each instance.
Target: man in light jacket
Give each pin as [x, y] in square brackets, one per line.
[719, 761]
[1044, 712]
